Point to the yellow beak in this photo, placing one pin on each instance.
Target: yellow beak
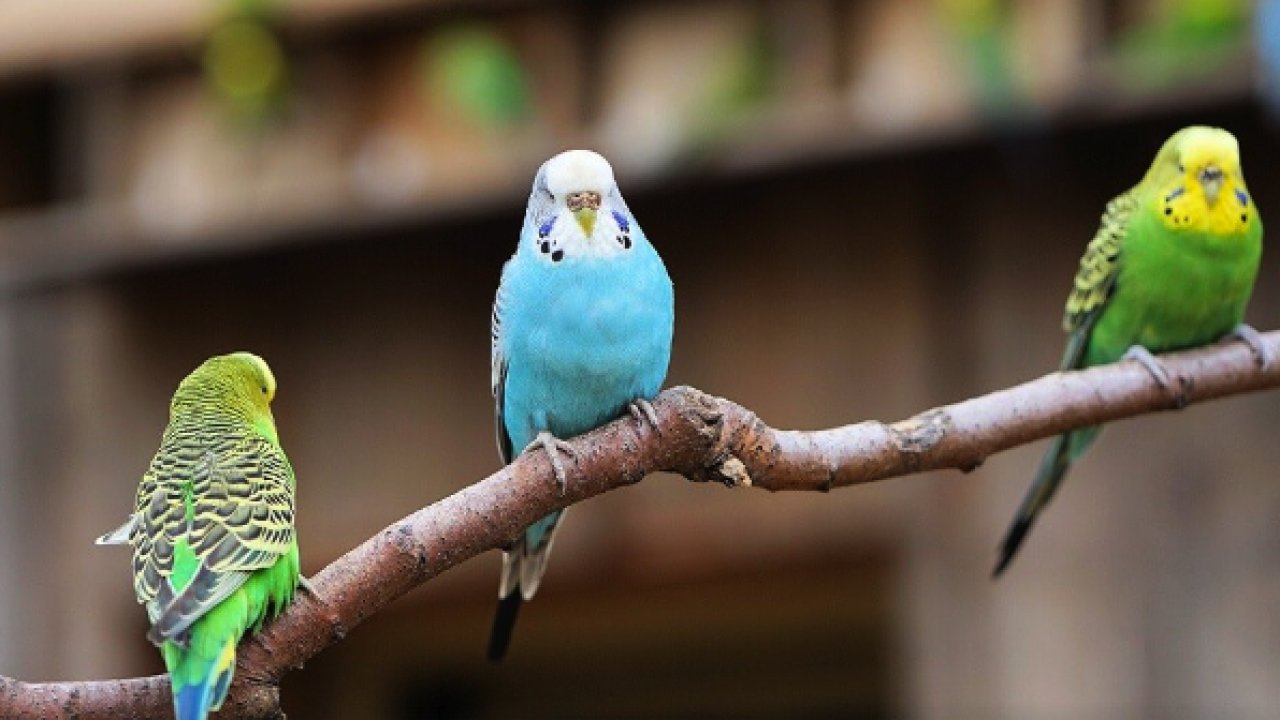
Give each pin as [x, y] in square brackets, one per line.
[586, 218]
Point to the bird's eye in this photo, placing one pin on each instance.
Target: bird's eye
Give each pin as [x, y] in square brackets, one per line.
[1182, 168]
[264, 389]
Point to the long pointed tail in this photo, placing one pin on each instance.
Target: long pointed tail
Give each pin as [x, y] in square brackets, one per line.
[523, 564]
[1053, 467]
[200, 684]
[504, 621]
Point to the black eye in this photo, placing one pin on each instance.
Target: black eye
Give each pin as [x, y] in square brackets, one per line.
[264, 389]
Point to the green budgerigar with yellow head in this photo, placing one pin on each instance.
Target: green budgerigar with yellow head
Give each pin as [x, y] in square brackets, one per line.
[214, 549]
[1171, 267]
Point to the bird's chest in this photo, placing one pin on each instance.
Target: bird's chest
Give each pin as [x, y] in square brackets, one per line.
[1183, 296]
[594, 327]
[587, 341]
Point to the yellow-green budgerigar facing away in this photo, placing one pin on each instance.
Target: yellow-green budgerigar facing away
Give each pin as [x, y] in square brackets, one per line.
[214, 549]
[1172, 266]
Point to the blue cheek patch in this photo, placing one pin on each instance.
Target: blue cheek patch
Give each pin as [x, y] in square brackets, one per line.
[545, 229]
[623, 225]
[1243, 197]
[1175, 194]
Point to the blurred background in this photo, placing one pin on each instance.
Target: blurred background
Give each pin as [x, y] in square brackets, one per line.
[868, 207]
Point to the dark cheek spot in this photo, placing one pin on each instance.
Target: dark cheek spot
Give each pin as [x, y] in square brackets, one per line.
[557, 256]
[1167, 211]
[545, 247]
[625, 241]
[1244, 217]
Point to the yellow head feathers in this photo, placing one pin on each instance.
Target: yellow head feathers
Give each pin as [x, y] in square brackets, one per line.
[240, 379]
[1197, 184]
[1203, 148]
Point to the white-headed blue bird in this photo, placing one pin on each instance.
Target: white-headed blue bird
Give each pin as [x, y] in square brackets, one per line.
[582, 328]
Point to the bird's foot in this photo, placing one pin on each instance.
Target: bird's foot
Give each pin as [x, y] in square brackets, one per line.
[553, 446]
[1158, 372]
[642, 410]
[1262, 352]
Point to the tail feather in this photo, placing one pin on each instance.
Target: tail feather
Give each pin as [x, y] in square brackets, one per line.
[1053, 468]
[196, 700]
[509, 581]
[191, 702]
[523, 564]
[504, 621]
[532, 566]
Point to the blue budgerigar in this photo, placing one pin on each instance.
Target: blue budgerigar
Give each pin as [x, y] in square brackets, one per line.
[582, 328]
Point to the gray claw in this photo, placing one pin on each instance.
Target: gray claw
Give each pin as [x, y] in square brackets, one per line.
[553, 446]
[1158, 372]
[1153, 365]
[1261, 350]
[642, 410]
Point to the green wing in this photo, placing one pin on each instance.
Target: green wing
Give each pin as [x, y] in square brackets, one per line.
[208, 516]
[1095, 280]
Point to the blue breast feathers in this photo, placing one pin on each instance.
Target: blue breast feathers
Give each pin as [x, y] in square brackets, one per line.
[582, 339]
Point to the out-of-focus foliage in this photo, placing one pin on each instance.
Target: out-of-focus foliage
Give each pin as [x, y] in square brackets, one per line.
[982, 31]
[476, 76]
[244, 62]
[1181, 39]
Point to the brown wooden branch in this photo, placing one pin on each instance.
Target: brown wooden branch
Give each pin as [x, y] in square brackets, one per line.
[702, 438]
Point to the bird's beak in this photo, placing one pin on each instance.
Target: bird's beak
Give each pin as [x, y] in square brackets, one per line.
[1211, 180]
[584, 206]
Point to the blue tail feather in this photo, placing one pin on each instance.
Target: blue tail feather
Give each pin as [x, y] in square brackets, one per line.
[192, 702]
[221, 684]
[196, 701]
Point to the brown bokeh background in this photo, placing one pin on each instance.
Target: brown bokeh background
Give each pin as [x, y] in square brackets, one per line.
[868, 207]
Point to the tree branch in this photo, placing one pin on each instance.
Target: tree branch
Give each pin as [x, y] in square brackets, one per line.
[702, 438]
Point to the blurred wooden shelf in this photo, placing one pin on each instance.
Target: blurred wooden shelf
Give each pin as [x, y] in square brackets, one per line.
[821, 117]
[78, 240]
[38, 36]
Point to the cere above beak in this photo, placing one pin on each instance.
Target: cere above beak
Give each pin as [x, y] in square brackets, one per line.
[584, 206]
[584, 200]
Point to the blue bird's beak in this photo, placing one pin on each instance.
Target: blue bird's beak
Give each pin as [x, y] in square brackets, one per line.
[586, 218]
[584, 205]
